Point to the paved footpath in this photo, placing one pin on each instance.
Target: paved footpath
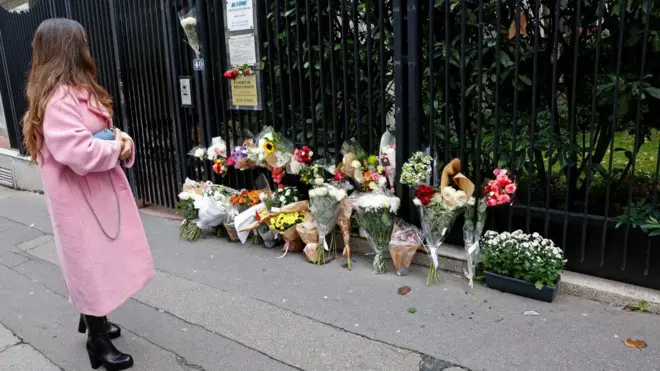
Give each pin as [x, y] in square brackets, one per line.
[221, 306]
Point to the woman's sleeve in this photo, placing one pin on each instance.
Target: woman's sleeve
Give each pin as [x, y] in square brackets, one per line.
[71, 143]
[129, 162]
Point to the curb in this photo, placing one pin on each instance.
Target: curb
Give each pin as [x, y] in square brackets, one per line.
[451, 258]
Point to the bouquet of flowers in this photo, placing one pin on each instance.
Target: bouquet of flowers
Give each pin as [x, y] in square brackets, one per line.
[239, 203]
[387, 157]
[285, 225]
[273, 149]
[283, 196]
[527, 257]
[324, 204]
[217, 149]
[213, 209]
[302, 157]
[405, 242]
[312, 175]
[375, 213]
[438, 210]
[417, 170]
[242, 158]
[189, 24]
[220, 166]
[497, 192]
[190, 201]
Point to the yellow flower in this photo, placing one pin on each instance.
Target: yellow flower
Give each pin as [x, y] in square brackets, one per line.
[269, 147]
[380, 169]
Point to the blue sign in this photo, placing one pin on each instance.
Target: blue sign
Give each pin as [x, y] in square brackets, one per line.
[198, 64]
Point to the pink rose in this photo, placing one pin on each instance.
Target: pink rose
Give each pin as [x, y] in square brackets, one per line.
[511, 188]
[503, 199]
[496, 172]
[375, 176]
[491, 202]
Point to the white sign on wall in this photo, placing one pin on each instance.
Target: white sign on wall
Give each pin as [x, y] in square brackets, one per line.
[242, 50]
[240, 15]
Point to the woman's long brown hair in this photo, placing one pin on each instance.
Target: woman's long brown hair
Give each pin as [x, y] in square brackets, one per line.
[60, 56]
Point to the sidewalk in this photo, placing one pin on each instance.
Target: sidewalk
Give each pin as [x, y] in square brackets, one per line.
[222, 306]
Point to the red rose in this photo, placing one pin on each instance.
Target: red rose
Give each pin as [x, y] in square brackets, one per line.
[424, 194]
[281, 186]
[246, 72]
[339, 177]
[234, 72]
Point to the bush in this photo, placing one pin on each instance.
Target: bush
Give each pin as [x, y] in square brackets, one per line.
[531, 258]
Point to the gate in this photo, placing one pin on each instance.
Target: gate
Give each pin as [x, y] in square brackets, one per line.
[563, 94]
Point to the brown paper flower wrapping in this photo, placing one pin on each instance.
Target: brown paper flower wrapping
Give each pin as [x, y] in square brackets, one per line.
[453, 171]
[402, 255]
[292, 241]
[344, 221]
[345, 167]
[311, 251]
[307, 230]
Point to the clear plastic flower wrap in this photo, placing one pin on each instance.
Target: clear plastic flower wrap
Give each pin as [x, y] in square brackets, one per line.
[436, 221]
[214, 205]
[198, 152]
[243, 157]
[472, 230]
[273, 149]
[376, 212]
[324, 204]
[217, 149]
[406, 240]
[387, 158]
[189, 24]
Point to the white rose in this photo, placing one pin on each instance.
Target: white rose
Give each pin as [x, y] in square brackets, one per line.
[356, 164]
[417, 202]
[311, 153]
[321, 192]
[312, 193]
[341, 194]
[460, 198]
[199, 153]
[184, 196]
[437, 197]
[318, 181]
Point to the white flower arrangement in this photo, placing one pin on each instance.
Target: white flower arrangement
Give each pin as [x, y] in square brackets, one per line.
[416, 170]
[375, 201]
[528, 257]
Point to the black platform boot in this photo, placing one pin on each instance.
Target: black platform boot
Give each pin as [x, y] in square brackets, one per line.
[113, 330]
[100, 349]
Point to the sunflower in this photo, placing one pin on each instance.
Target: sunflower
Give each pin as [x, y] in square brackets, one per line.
[269, 147]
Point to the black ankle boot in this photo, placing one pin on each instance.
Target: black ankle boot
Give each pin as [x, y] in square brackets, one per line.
[113, 330]
[100, 349]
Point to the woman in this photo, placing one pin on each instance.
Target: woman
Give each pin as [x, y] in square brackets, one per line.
[100, 241]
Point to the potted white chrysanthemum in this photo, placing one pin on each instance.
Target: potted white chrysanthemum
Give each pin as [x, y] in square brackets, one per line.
[523, 264]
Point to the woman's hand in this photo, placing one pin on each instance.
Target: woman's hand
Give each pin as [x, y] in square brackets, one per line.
[126, 145]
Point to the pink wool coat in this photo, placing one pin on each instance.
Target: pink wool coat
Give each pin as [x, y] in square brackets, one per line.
[100, 273]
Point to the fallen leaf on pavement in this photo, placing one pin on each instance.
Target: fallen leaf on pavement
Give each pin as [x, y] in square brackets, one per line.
[403, 290]
[412, 310]
[634, 343]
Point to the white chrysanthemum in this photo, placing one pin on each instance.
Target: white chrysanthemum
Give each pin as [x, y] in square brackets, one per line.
[320, 192]
[318, 181]
[184, 196]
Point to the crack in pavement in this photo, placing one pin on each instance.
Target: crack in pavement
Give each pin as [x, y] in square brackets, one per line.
[426, 359]
[179, 358]
[23, 342]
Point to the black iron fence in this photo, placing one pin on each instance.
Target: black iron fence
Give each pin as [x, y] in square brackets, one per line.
[564, 94]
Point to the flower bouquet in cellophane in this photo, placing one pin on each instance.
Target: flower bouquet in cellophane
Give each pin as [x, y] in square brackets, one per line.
[376, 212]
[243, 157]
[273, 151]
[283, 221]
[190, 200]
[498, 191]
[406, 240]
[387, 158]
[239, 203]
[324, 204]
[438, 209]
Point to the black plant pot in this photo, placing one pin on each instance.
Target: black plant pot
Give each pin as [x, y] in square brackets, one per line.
[520, 287]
